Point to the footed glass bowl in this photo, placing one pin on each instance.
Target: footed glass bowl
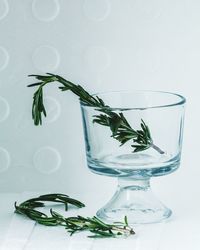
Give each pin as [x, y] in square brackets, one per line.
[138, 136]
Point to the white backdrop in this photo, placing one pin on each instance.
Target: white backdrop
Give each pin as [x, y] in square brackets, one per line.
[103, 45]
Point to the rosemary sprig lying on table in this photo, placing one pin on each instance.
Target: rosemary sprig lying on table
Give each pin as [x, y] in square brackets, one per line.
[98, 228]
[119, 126]
[58, 198]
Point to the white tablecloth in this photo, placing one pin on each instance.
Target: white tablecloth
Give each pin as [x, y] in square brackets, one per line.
[181, 232]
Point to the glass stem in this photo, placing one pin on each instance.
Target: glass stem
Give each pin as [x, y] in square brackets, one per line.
[133, 183]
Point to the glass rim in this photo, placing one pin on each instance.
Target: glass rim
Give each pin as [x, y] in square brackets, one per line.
[181, 100]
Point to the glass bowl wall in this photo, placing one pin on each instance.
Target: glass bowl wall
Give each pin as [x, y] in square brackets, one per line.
[162, 112]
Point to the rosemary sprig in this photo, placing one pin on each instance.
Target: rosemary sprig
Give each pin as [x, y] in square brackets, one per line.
[98, 228]
[30, 204]
[118, 124]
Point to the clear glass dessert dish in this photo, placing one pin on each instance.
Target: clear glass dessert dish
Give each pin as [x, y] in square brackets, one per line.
[143, 140]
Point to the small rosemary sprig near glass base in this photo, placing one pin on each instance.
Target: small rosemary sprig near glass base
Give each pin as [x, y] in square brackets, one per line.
[98, 228]
[119, 126]
[58, 198]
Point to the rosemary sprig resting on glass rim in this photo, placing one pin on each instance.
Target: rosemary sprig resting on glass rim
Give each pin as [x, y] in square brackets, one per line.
[98, 228]
[118, 124]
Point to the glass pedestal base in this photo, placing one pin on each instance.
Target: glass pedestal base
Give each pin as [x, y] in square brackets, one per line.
[135, 200]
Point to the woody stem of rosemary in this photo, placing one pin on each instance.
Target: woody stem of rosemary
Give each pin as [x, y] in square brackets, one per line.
[157, 149]
[125, 230]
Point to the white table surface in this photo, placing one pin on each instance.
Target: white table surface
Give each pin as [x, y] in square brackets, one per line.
[181, 232]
